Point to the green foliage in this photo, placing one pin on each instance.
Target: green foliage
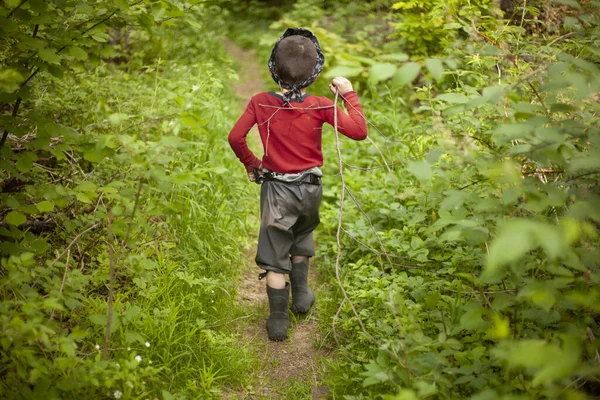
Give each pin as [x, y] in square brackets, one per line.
[429, 27]
[470, 239]
[470, 246]
[118, 244]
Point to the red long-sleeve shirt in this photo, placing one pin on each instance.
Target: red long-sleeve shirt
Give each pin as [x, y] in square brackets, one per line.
[291, 135]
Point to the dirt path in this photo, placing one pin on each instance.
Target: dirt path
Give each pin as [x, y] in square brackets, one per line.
[290, 369]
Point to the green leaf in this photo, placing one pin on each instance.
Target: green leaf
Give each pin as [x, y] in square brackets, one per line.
[131, 337]
[78, 53]
[585, 162]
[45, 206]
[194, 24]
[25, 161]
[172, 141]
[122, 4]
[100, 36]
[562, 366]
[72, 302]
[344, 70]
[167, 396]
[406, 74]
[67, 347]
[450, 111]
[516, 238]
[540, 294]
[117, 118]
[512, 243]
[435, 67]
[525, 109]
[400, 57]
[131, 313]
[492, 94]
[8, 26]
[12, 3]
[109, 141]
[420, 169]
[407, 5]
[547, 361]
[83, 198]
[10, 80]
[118, 210]
[37, 6]
[374, 374]
[100, 319]
[571, 3]
[434, 155]
[183, 178]
[94, 156]
[26, 258]
[514, 131]
[561, 107]
[472, 319]
[15, 218]
[49, 56]
[454, 98]
[381, 72]
[500, 328]
[86, 186]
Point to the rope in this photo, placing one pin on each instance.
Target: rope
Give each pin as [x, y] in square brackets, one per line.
[340, 229]
[335, 123]
[339, 249]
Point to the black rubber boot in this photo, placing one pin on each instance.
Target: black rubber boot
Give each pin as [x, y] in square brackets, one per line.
[302, 296]
[279, 320]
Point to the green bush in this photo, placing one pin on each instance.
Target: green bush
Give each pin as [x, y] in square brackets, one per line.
[470, 234]
[116, 203]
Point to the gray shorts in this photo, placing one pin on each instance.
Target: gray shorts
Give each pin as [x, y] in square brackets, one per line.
[289, 214]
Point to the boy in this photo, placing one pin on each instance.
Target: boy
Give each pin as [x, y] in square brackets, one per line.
[290, 124]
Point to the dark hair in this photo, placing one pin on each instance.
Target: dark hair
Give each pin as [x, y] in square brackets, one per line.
[295, 59]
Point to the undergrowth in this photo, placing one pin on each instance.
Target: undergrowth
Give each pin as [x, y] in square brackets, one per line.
[469, 249]
[119, 241]
[470, 233]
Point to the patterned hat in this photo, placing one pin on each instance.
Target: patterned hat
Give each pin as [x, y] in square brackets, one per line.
[294, 90]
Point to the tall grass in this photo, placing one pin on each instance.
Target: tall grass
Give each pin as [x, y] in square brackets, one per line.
[165, 114]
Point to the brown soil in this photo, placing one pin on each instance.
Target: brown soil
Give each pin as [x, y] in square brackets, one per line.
[296, 358]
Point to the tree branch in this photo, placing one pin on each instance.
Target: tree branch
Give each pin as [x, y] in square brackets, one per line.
[13, 114]
[10, 14]
[111, 285]
[73, 242]
[339, 247]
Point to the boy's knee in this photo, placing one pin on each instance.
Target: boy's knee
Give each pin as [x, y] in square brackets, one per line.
[299, 259]
[276, 280]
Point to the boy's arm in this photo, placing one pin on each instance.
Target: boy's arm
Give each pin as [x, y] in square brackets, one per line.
[353, 124]
[237, 139]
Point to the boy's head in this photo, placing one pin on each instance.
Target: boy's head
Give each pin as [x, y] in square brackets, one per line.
[296, 60]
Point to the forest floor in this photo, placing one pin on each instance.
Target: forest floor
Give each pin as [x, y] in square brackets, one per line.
[290, 369]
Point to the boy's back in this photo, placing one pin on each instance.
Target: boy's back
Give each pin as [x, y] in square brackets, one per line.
[290, 124]
[291, 133]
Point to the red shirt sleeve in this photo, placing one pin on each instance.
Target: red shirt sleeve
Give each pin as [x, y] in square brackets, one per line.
[237, 138]
[353, 124]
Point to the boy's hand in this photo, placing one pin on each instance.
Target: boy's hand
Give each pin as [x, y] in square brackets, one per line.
[251, 176]
[342, 85]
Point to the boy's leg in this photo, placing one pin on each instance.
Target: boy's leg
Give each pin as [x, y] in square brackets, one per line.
[279, 213]
[299, 259]
[279, 319]
[275, 280]
[303, 296]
